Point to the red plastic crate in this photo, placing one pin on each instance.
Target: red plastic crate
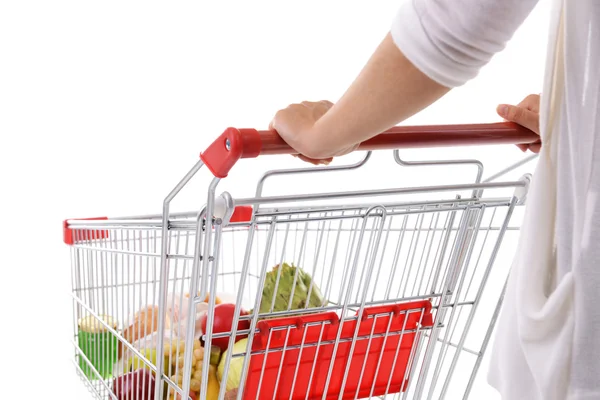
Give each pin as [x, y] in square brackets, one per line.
[279, 372]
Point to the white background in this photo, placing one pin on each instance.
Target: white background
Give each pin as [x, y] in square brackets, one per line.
[105, 105]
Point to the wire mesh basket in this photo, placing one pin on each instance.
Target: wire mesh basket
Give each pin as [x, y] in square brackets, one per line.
[379, 293]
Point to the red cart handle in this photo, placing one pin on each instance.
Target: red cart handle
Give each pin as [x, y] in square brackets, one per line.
[234, 143]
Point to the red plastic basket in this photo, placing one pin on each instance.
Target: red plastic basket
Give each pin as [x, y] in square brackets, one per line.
[275, 372]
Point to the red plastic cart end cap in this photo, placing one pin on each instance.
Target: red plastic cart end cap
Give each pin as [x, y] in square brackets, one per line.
[69, 238]
[232, 145]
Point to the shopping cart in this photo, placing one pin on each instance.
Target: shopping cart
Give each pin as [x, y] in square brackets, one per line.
[372, 293]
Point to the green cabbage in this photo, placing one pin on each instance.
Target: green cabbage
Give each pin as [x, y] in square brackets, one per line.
[300, 297]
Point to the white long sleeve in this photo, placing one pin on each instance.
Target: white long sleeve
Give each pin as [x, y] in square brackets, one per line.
[450, 40]
[547, 345]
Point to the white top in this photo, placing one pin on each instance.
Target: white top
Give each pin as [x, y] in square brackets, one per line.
[548, 337]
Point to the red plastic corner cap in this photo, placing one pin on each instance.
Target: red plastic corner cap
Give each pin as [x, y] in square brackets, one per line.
[69, 238]
[241, 214]
[232, 145]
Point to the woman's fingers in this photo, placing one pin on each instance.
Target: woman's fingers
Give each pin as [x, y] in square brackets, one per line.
[523, 147]
[313, 161]
[526, 114]
[536, 147]
[295, 122]
[531, 103]
[520, 115]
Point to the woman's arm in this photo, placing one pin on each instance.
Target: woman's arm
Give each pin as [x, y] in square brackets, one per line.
[388, 89]
[433, 45]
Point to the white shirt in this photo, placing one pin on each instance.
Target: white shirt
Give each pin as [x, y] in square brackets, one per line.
[548, 337]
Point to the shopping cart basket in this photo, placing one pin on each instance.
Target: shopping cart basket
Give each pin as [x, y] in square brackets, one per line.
[338, 295]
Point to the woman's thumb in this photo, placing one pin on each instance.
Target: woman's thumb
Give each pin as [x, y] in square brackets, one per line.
[519, 115]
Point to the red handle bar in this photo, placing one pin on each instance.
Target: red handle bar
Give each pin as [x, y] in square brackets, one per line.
[234, 143]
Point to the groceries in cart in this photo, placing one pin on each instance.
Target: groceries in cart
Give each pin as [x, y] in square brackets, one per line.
[286, 288]
[98, 344]
[289, 288]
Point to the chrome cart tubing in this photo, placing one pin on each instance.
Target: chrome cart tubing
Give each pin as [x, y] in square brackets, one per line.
[89, 365]
[142, 222]
[191, 224]
[192, 214]
[511, 168]
[350, 167]
[195, 277]
[378, 192]
[90, 230]
[441, 163]
[395, 208]
[309, 170]
[164, 269]
[364, 214]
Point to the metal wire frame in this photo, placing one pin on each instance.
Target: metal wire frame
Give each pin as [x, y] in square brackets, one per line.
[99, 251]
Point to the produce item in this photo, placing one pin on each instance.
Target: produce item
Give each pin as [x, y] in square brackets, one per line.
[178, 306]
[177, 311]
[231, 395]
[222, 323]
[207, 298]
[98, 344]
[174, 352]
[179, 328]
[145, 323]
[212, 390]
[215, 355]
[134, 363]
[285, 286]
[138, 385]
[234, 375]
[91, 324]
[196, 380]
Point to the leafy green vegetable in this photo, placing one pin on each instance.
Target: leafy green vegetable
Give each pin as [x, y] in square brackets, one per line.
[288, 274]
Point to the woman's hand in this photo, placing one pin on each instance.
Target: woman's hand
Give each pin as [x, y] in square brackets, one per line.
[296, 126]
[388, 90]
[527, 114]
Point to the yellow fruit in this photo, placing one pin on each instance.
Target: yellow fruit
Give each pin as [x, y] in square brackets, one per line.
[212, 392]
[199, 354]
[136, 363]
[234, 374]
[197, 344]
[177, 349]
[195, 385]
